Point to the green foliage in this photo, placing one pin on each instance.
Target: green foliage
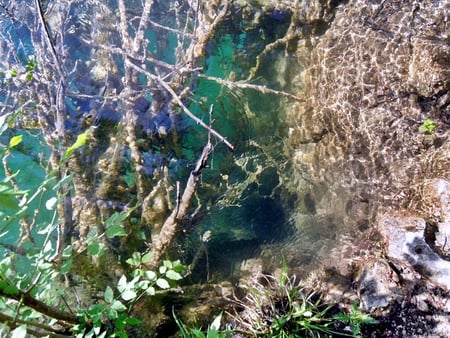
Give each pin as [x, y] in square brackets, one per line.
[355, 318]
[9, 195]
[213, 330]
[282, 308]
[80, 142]
[300, 316]
[427, 127]
[146, 280]
[35, 273]
[23, 72]
[117, 305]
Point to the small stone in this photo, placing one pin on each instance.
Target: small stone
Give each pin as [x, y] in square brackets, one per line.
[422, 306]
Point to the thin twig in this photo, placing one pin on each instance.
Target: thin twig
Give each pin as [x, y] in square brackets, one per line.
[48, 39]
[14, 322]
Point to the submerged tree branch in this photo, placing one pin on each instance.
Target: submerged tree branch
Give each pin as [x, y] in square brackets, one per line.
[41, 330]
[161, 242]
[243, 85]
[181, 104]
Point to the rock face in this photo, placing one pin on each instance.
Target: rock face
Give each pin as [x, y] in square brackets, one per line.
[407, 244]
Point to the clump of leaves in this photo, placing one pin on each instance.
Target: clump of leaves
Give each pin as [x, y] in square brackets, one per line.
[282, 308]
[427, 127]
[355, 319]
[213, 330]
[117, 303]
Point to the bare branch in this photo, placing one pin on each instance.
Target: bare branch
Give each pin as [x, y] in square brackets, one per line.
[48, 330]
[243, 85]
[142, 26]
[161, 242]
[181, 104]
[41, 307]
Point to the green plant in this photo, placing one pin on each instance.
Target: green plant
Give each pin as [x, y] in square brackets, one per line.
[32, 296]
[427, 127]
[213, 330]
[282, 308]
[355, 318]
[116, 306]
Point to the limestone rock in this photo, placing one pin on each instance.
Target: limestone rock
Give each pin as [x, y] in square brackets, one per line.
[405, 238]
[378, 286]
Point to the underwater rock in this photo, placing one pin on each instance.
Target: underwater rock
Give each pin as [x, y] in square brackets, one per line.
[406, 243]
[369, 85]
[429, 53]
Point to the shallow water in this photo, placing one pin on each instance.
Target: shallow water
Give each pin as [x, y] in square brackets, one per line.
[250, 200]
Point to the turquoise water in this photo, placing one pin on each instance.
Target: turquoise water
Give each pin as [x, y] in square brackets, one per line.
[243, 202]
[26, 162]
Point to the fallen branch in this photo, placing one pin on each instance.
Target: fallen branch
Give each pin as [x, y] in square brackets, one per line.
[35, 304]
[33, 328]
[181, 104]
[161, 242]
[243, 85]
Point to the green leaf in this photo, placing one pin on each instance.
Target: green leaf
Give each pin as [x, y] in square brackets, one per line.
[112, 314]
[178, 267]
[128, 295]
[6, 120]
[50, 203]
[132, 321]
[116, 218]
[215, 325]
[115, 230]
[173, 275]
[15, 140]
[80, 141]
[150, 275]
[118, 306]
[146, 258]
[142, 285]
[120, 323]
[95, 310]
[66, 266]
[109, 295]
[67, 252]
[162, 283]
[122, 283]
[11, 290]
[8, 202]
[151, 291]
[427, 127]
[96, 249]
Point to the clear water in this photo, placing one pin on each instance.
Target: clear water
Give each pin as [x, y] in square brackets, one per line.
[244, 200]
